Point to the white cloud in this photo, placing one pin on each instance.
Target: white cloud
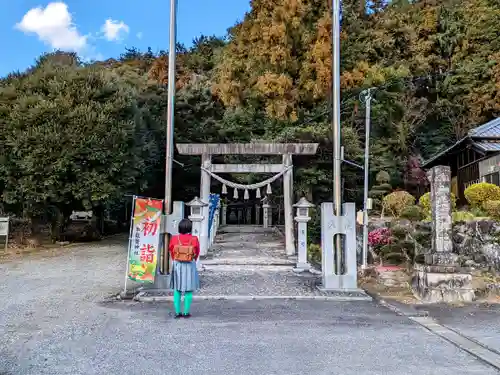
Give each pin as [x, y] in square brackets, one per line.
[139, 35]
[114, 30]
[54, 26]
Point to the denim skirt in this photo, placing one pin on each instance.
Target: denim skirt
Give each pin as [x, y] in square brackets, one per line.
[184, 277]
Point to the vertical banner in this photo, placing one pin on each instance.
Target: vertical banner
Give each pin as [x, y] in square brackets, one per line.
[145, 239]
[212, 206]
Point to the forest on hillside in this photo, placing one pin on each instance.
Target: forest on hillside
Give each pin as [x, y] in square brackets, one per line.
[76, 135]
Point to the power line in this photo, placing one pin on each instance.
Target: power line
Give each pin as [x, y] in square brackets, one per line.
[387, 84]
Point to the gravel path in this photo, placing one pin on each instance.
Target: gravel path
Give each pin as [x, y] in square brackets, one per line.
[253, 263]
[49, 295]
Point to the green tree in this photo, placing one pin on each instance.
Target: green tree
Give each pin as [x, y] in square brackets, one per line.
[72, 137]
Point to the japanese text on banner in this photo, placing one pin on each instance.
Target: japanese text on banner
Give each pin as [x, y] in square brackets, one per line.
[145, 240]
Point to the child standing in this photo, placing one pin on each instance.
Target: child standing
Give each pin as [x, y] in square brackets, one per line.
[184, 249]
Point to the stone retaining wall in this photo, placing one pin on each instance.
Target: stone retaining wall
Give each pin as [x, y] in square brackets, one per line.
[392, 276]
[476, 242]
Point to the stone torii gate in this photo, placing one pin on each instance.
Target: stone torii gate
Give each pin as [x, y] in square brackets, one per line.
[285, 168]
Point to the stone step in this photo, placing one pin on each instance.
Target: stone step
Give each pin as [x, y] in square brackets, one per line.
[246, 261]
[257, 268]
[243, 229]
[253, 246]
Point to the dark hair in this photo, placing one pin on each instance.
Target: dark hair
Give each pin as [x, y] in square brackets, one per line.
[185, 226]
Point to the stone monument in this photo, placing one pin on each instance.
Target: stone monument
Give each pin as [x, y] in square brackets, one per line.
[441, 279]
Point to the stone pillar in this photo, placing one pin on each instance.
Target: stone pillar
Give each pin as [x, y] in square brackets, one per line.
[440, 181]
[205, 197]
[224, 214]
[302, 219]
[265, 215]
[270, 216]
[248, 215]
[257, 214]
[288, 204]
[441, 279]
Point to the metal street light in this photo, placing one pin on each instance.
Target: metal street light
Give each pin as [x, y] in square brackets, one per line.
[366, 96]
[337, 162]
[169, 152]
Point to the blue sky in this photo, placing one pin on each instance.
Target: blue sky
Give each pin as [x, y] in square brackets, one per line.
[103, 28]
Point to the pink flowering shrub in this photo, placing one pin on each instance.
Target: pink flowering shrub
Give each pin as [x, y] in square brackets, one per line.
[379, 237]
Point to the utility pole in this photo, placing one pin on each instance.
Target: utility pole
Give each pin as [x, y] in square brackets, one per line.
[337, 162]
[366, 95]
[169, 152]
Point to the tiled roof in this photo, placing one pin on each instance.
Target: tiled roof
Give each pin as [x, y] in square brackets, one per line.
[443, 152]
[479, 138]
[488, 146]
[490, 129]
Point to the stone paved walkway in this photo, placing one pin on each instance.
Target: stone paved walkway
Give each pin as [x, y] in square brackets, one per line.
[251, 261]
[248, 245]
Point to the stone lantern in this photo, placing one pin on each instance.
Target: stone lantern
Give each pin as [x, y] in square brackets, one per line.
[196, 216]
[195, 208]
[302, 219]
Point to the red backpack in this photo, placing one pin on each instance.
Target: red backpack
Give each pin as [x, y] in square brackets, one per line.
[184, 253]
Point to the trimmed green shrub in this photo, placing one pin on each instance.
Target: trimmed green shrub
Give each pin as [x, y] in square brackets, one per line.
[461, 216]
[314, 253]
[478, 194]
[397, 252]
[492, 208]
[478, 212]
[399, 232]
[396, 202]
[378, 192]
[412, 213]
[383, 177]
[384, 187]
